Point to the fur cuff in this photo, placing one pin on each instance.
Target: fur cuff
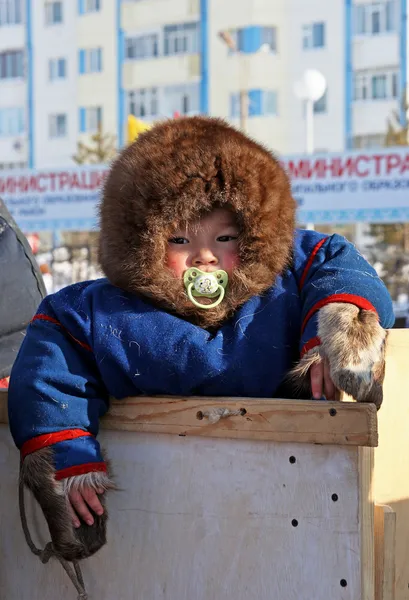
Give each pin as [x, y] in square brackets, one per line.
[354, 343]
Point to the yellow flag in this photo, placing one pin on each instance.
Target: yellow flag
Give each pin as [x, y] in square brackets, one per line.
[135, 127]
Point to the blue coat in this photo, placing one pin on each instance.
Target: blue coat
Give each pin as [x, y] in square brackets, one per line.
[92, 340]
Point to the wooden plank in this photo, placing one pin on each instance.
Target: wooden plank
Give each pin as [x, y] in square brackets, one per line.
[385, 541]
[312, 422]
[200, 518]
[366, 510]
[391, 477]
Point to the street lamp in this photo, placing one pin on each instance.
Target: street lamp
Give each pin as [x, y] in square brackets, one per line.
[310, 88]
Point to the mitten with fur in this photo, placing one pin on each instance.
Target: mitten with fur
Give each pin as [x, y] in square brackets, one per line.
[353, 342]
[38, 474]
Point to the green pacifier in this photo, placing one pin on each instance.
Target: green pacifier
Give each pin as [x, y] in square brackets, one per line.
[205, 285]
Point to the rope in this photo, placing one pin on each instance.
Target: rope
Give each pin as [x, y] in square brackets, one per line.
[48, 552]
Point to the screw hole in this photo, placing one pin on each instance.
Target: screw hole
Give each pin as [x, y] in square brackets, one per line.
[243, 412]
[334, 497]
[294, 523]
[332, 412]
[292, 459]
[199, 415]
[343, 582]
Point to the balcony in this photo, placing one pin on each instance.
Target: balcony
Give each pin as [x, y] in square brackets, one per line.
[161, 71]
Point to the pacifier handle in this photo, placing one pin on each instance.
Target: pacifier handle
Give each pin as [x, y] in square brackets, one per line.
[205, 306]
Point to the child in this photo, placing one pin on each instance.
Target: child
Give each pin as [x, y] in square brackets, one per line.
[209, 291]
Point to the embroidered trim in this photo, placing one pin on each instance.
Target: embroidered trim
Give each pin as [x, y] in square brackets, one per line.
[49, 439]
[347, 298]
[80, 470]
[52, 320]
[312, 343]
[311, 260]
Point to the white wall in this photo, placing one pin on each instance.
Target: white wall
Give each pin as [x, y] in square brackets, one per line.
[60, 96]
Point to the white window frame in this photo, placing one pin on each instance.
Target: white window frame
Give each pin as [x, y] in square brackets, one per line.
[11, 12]
[49, 12]
[183, 40]
[8, 60]
[143, 102]
[93, 118]
[308, 35]
[92, 60]
[364, 85]
[92, 6]
[146, 39]
[12, 122]
[364, 14]
[267, 96]
[55, 129]
[54, 69]
[175, 97]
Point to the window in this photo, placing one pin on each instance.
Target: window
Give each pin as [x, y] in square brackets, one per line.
[11, 121]
[374, 140]
[57, 68]
[87, 6]
[373, 85]
[259, 103]
[269, 38]
[182, 99]
[320, 106]
[57, 126]
[181, 39]
[374, 18]
[53, 13]
[379, 85]
[90, 119]
[314, 35]
[11, 64]
[142, 46]
[11, 12]
[143, 102]
[90, 61]
[251, 39]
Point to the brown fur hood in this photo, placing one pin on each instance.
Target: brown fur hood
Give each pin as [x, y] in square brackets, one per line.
[171, 175]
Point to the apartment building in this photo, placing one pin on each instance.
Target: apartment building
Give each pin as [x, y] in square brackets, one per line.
[68, 65]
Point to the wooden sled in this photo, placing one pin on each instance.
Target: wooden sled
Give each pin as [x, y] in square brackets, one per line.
[281, 500]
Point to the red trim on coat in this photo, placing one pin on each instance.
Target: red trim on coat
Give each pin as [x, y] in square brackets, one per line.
[81, 470]
[311, 260]
[49, 439]
[347, 298]
[312, 343]
[51, 320]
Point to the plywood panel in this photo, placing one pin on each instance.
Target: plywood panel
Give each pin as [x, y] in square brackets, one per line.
[391, 478]
[203, 518]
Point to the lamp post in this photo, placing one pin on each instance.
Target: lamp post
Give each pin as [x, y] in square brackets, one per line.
[310, 88]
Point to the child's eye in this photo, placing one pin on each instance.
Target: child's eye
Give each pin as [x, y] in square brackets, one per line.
[226, 238]
[178, 240]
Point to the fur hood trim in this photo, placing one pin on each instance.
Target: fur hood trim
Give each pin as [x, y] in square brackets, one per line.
[170, 176]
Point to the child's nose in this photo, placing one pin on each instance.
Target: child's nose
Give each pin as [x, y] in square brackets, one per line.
[204, 257]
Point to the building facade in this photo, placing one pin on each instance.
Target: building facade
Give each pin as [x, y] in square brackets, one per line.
[67, 66]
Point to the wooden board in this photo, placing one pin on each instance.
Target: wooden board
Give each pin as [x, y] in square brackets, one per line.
[312, 422]
[391, 475]
[199, 518]
[385, 540]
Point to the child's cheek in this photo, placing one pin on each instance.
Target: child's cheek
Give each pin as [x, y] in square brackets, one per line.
[231, 262]
[177, 264]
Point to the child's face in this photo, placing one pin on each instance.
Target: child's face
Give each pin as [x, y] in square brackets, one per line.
[209, 244]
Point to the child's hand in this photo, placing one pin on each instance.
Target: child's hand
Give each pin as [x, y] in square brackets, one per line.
[321, 382]
[80, 500]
